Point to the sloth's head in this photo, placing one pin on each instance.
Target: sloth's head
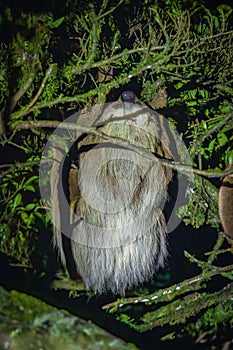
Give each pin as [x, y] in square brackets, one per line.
[129, 96]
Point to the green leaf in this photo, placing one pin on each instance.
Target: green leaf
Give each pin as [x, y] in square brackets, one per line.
[203, 124]
[229, 157]
[192, 93]
[29, 188]
[39, 215]
[224, 7]
[30, 206]
[31, 179]
[24, 216]
[211, 145]
[179, 85]
[203, 93]
[17, 200]
[222, 139]
[228, 274]
[57, 23]
[225, 10]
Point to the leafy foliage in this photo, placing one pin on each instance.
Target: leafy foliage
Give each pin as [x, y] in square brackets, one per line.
[178, 56]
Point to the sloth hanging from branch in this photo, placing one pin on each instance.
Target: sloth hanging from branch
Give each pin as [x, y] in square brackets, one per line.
[109, 203]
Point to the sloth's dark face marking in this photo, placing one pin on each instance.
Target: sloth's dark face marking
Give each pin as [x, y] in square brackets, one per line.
[128, 96]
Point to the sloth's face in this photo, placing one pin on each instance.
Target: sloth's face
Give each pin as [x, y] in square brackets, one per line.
[128, 96]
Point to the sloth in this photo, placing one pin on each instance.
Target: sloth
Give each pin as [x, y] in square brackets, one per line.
[116, 193]
[225, 204]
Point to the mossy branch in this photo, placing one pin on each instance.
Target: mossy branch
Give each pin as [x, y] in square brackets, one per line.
[182, 299]
[170, 293]
[180, 310]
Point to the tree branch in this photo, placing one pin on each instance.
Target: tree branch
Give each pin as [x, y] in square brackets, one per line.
[186, 169]
[168, 294]
[36, 97]
[19, 94]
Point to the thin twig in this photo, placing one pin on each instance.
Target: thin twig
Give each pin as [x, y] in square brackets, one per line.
[19, 94]
[217, 127]
[115, 58]
[39, 92]
[17, 166]
[109, 11]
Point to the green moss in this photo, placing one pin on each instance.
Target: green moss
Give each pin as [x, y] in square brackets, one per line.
[22, 307]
